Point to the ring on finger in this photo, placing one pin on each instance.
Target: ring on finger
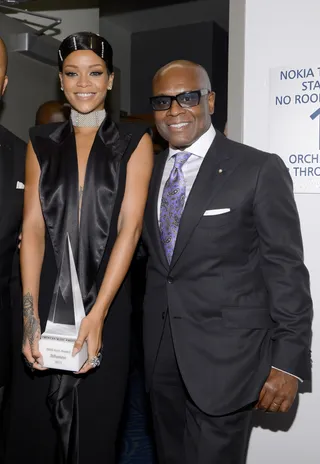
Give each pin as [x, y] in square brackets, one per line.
[276, 404]
[96, 360]
[274, 407]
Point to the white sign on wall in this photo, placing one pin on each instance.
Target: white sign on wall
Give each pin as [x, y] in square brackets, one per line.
[294, 123]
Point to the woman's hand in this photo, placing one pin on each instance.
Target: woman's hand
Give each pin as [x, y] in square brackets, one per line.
[31, 335]
[91, 332]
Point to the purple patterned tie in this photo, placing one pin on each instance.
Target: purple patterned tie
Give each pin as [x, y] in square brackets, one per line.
[172, 204]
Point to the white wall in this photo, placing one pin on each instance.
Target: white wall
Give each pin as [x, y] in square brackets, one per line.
[72, 21]
[120, 40]
[271, 33]
[236, 69]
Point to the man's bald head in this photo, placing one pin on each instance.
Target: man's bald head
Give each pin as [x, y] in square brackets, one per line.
[3, 67]
[52, 111]
[183, 102]
[186, 66]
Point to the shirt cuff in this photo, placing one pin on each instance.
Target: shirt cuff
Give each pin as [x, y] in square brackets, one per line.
[288, 373]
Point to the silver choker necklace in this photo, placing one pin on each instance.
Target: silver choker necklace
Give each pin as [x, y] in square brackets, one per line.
[93, 119]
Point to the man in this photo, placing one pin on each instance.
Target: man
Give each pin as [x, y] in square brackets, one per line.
[52, 111]
[12, 157]
[227, 311]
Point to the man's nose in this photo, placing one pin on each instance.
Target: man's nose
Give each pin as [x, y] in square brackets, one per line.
[175, 108]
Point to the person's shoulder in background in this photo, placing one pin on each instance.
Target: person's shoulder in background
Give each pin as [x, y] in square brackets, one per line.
[147, 121]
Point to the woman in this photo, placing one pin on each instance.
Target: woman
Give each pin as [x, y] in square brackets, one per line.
[87, 178]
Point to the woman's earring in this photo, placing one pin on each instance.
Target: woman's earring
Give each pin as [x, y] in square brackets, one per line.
[62, 88]
[110, 87]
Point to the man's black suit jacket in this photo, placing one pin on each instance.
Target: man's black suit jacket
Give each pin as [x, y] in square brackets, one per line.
[12, 166]
[237, 291]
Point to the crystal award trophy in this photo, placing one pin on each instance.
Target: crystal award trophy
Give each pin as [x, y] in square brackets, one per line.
[65, 316]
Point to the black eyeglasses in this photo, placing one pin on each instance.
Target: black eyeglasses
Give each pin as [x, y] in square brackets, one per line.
[184, 99]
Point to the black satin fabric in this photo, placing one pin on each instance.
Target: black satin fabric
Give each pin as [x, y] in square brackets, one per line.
[59, 196]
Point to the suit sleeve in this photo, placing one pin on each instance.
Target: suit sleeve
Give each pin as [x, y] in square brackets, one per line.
[285, 274]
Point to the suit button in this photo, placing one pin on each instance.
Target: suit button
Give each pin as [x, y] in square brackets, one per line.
[163, 315]
[170, 280]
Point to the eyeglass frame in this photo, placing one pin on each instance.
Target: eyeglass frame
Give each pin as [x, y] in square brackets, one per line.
[199, 92]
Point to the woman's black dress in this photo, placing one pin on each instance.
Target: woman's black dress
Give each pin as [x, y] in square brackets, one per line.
[54, 417]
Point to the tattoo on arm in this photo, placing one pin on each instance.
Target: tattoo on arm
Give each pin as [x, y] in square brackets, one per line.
[31, 323]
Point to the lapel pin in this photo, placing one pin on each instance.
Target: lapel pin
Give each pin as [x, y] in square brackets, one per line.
[220, 171]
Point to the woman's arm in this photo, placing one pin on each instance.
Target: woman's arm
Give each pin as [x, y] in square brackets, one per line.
[129, 224]
[31, 257]
[130, 221]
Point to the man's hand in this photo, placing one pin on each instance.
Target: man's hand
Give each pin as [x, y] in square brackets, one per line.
[278, 392]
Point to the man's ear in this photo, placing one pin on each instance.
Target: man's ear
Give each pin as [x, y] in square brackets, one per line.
[211, 100]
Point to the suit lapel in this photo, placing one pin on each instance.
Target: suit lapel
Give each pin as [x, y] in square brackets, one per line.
[213, 174]
[58, 182]
[151, 216]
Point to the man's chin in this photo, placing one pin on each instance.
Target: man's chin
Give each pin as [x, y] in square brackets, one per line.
[180, 142]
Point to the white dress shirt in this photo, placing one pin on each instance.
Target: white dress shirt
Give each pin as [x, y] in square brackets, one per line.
[191, 167]
[190, 170]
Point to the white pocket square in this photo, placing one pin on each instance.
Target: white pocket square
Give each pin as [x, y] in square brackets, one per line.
[215, 212]
[20, 186]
